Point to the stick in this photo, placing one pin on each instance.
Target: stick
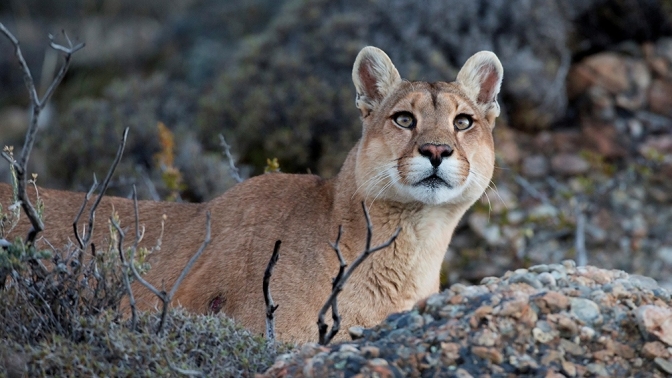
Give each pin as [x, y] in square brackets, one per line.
[127, 282]
[338, 285]
[37, 105]
[103, 189]
[166, 298]
[270, 306]
[235, 172]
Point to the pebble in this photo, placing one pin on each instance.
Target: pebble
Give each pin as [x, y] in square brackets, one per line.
[527, 278]
[656, 321]
[585, 310]
[663, 364]
[655, 349]
[547, 279]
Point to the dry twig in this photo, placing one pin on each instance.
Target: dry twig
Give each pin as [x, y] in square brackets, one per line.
[126, 269]
[342, 278]
[37, 105]
[166, 297]
[235, 172]
[270, 306]
[88, 233]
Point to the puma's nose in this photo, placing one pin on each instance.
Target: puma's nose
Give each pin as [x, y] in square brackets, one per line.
[435, 152]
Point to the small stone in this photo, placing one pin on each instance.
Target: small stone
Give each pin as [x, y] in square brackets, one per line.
[569, 164]
[656, 321]
[567, 327]
[568, 368]
[527, 278]
[542, 268]
[356, 332]
[461, 373]
[378, 362]
[492, 354]
[370, 351]
[547, 279]
[485, 338]
[572, 348]
[598, 369]
[348, 348]
[585, 310]
[541, 336]
[587, 333]
[553, 301]
[663, 364]
[654, 349]
[643, 282]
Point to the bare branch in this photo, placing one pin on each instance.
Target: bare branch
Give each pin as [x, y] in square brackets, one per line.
[37, 105]
[235, 172]
[166, 298]
[195, 257]
[125, 271]
[87, 197]
[270, 306]
[340, 283]
[103, 189]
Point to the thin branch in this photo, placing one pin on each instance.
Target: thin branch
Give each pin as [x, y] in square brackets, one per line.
[235, 172]
[126, 270]
[166, 298]
[270, 306]
[531, 189]
[340, 283]
[37, 105]
[87, 197]
[335, 316]
[193, 259]
[103, 189]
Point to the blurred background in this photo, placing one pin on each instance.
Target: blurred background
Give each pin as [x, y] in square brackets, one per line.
[584, 143]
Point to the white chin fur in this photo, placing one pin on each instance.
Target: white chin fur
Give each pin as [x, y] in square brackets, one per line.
[456, 191]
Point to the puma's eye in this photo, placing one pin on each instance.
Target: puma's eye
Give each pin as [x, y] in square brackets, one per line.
[404, 119]
[463, 122]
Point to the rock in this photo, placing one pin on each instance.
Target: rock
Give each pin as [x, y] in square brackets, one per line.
[655, 321]
[492, 354]
[660, 97]
[585, 310]
[607, 70]
[535, 166]
[655, 349]
[569, 164]
[663, 364]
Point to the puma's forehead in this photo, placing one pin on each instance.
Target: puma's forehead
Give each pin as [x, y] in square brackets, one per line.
[437, 96]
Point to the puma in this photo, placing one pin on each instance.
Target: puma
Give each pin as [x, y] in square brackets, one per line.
[425, 156]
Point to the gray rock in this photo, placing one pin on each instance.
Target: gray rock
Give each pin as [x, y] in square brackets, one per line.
[585, 310]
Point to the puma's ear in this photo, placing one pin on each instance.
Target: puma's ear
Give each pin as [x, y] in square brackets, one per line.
[374, 76]
[481, 78]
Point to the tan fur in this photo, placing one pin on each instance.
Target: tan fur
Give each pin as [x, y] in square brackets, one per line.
[305, 211]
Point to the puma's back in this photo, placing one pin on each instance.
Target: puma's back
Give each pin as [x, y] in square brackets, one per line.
[426, 155]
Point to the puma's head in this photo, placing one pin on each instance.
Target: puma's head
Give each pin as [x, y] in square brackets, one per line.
[426, 142]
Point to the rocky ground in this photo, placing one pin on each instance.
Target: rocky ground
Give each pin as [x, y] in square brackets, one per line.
[555, 320]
